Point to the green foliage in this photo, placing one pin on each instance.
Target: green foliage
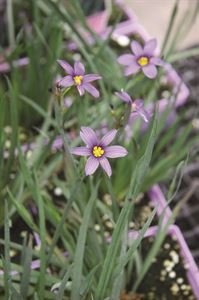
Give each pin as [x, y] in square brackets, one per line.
[76, 261]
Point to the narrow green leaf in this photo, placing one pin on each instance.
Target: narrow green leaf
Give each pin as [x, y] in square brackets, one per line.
[80, 248]
[6, 260]
[26, 265]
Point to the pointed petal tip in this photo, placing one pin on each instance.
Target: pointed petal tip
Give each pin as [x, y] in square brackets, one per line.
[124, 96]
[91, 90]
[108, 137]
[81, 151]
[91, 165]
[106, 166]
[88, 135]
[115, 151]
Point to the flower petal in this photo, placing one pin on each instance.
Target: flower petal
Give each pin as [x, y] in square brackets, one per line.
[150, 71]
[108, 137]
[139, 103]
[81, 90]
[115, 151]
[143, 114]
[156, 61]
[91, 89]
[81, 151]
[132, 69]
[66, 81]
[89, 137]
[136, 48]
[104, 163]
[66, 66]
[150, 47]
[79, 68]
[124, 96]
[91, 77]
[126, 59]
[91, 165]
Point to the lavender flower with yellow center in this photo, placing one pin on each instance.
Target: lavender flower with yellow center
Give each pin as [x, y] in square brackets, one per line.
[98, 150]
[137, 106]
[77, 77]
[142, 59]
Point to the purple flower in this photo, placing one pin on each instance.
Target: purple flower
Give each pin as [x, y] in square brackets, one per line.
[137, 106]
[143, 59]
[76, 76]
[98, 150]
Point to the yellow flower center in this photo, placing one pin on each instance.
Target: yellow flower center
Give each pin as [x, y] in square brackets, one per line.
[143, 61]
[78, 79]
[98, 151]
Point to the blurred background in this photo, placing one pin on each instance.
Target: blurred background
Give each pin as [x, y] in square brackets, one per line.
[154, 15]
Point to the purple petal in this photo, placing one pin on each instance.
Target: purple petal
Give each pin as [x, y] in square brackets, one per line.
[106, 166]
[108, 137]
[89, 137]
[81, 90]
[124, 96]
[91, 90]
[150, 47]
[66, 66]
[91, 165]
[66, 81]
[136, 48]
[37, 239]
[81, 151]
[57, 144]
[115, 151]
[132, 69]
[79, 68]
[156, 61]
[126, 59]
[143, 114]
[150, 71]
[35, 264]
[139, 103]
[91, 77]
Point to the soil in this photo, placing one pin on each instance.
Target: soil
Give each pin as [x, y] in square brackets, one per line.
[166, 278]
[188, 218]
[188, 70]
[142, 211]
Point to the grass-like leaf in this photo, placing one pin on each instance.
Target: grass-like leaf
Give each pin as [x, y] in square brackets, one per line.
[80, 248]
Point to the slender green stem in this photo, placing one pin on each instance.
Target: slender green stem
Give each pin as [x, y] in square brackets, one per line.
[70, 166]
[11, 28]
[170, 26]
[116, 211]
[183, 55]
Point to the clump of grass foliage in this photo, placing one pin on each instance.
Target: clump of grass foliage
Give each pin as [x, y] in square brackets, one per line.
[75, 261]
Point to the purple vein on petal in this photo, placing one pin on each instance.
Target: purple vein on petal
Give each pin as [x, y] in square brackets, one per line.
[91, 89]
[66, 66]
[108, 137]
[81, 151]
[106, 166]
[115, 151]
[88, 136]
[91, 165]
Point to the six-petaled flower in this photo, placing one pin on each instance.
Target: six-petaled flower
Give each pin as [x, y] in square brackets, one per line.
[137, 106]
[142, 59]
[98, 150]
[77, 77]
